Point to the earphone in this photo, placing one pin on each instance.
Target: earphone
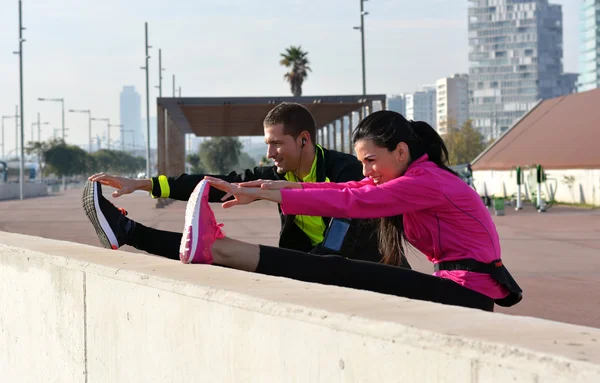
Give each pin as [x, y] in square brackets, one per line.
[303, 142]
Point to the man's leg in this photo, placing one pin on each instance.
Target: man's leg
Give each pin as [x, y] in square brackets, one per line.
[114, 229]
[154, 241]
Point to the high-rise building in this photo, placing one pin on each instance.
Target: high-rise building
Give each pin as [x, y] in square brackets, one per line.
[452, 102]
[131, 118]
[515, 60]
[589, 57]
[420, 106]
[397, 103]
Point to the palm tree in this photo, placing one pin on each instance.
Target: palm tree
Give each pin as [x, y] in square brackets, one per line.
[295, 59]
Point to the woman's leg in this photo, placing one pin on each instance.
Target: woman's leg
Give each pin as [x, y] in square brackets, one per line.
[339, 271]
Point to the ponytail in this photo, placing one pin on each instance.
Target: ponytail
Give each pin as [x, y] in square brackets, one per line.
[429, 142]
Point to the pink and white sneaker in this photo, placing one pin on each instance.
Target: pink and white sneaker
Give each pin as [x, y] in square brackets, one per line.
[201, 229]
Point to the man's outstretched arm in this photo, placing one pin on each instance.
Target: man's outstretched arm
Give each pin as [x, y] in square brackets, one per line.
[180, 187]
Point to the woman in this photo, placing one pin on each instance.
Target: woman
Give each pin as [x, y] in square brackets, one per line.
[422, 202]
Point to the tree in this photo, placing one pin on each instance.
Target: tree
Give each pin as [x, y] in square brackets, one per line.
[295, 59]
[65, 160]
[220, 154]
[463, 144]
[194, 160]
[265, 161]
[38, 148]
[245, 162]
[116, 161]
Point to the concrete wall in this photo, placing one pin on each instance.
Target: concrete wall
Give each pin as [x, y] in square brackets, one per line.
[30, 190]
[74, 313]
[569, 185]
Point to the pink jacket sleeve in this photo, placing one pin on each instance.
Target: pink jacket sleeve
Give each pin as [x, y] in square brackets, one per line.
[333, 185]
[411, 192]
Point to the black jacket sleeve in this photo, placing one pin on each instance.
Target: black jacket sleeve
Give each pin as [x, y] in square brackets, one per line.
[181, 187]
[351, 172]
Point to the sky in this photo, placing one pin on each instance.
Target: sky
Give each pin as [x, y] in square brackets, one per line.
[86, 51]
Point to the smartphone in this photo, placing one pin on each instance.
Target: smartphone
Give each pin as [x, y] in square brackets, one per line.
[335, 234]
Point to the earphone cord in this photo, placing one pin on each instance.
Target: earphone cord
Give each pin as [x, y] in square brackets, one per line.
[301, 226]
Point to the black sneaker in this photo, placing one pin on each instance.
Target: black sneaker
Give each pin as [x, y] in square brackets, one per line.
[111, 225]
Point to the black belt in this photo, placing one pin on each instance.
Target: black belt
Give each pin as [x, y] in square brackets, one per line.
[496, 269]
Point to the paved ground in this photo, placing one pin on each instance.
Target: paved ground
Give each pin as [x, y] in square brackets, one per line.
[555, 256]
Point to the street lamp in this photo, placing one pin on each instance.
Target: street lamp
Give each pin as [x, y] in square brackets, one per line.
[362, 43]
[113, 126]
[20, 53]
[146, 68]
[38, 124]
[89, 113]
[62, 101]
[160, 70]
[107, 127]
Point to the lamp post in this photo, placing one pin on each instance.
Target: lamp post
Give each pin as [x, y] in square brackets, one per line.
[20, 53]
[160, 70]
[107, 127]
[146, 68]
[38, 124]
[62, 102]
[362, 43]
[89, 113]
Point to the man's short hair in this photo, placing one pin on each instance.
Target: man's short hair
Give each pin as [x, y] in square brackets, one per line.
[295, 119]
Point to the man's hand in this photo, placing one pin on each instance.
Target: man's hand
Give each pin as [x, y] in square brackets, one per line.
[271, 185]
[123, 185]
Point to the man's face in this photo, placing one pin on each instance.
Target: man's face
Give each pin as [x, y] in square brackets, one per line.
[283, 149]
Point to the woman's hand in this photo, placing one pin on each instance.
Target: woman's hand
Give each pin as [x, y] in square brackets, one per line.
[271, 184]
[243, 196]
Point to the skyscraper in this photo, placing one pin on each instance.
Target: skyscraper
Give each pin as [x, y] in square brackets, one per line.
[131, 118]
[515, 59]
[397, 103]
[452, 102]
[420, 106]
[589, 57]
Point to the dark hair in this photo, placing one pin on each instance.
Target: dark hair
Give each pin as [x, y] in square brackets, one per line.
[387, 129]
[295, 119]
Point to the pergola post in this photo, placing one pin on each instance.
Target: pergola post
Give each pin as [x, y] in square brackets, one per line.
[161, 140]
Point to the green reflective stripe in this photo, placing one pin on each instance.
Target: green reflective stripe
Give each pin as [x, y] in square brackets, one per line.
[313, 227]
[152, 188]
[165, 191]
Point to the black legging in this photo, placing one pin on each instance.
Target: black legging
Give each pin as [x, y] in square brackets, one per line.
[332, 270]
[377, 277]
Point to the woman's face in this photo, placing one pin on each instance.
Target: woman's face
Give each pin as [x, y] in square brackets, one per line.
[380, 164]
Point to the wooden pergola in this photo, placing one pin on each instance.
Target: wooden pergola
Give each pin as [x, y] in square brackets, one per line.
[243, 116]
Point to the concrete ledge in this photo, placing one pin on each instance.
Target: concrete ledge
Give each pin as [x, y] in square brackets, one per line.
[75, 313]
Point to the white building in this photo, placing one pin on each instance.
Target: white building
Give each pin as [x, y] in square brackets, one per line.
[569, 156]
[452, 101]
[421, 105]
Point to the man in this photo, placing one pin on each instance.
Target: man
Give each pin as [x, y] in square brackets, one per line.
[290, 131]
